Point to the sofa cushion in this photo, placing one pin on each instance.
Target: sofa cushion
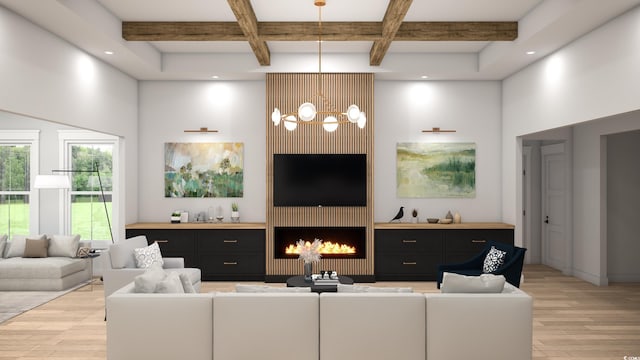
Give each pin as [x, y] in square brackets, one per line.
[187, 286]
[148, 255]
[121, 253]
[147, 281]
[3, 245]
[372, 289]
[64, 245]
[495, 258]
[17, 244]
[40, 268]
[485, 283]
[241, 288]
[171, 284]
[194, 274]
[36, 248]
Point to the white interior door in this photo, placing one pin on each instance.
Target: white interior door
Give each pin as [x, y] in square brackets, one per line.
[554, 192]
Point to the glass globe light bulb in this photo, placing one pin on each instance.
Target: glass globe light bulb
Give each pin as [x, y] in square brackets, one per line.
[330, 124]
[276, 117]
[307, 111]
[290, 123]
[362, 121]
[353, 113]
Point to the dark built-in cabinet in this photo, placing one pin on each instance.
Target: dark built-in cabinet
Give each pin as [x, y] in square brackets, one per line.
[414, 251]
[221, 252]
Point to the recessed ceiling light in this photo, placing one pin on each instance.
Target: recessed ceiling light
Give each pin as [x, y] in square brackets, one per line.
[108, 52]
[530, 52]
[424, 77]
[215, 77]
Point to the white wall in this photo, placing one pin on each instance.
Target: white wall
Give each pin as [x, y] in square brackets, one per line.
[236, 109]
[404, 108]
[45, 77]
[623, 206]
[594, 77]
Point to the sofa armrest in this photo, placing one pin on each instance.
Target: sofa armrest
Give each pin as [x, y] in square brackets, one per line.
[114, 279]
[173, 262]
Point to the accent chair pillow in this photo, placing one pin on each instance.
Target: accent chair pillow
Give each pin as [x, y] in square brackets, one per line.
[147, 281]
[3, 245]
[241, 288]
[17, 244]
[495, 259]
[63, 245]
[36, 248]
[147, 256]
[170, 285]
[372, 289]
[485, 283]
[186, 284]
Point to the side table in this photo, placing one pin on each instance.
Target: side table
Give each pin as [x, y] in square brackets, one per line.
[298, 281]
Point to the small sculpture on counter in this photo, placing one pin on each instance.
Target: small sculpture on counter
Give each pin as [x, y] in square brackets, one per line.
[399, 215]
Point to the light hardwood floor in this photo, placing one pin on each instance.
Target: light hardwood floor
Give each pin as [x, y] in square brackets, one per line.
[572, 320]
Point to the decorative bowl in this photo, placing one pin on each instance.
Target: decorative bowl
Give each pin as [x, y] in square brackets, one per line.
[432, 220]
[445, 221]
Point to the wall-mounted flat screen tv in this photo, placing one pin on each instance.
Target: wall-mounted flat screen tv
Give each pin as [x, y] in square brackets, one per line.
[320, 180]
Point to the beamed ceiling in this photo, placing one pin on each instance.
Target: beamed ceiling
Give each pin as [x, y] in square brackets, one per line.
[244, 39]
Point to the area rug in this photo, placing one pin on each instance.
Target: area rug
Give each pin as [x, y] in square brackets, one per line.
[14, 303]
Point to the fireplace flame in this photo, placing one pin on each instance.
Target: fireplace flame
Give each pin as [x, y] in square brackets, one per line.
[326, 248]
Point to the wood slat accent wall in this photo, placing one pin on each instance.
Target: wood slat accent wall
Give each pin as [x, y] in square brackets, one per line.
[287, 92]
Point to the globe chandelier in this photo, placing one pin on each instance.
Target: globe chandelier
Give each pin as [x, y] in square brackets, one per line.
[307, 112]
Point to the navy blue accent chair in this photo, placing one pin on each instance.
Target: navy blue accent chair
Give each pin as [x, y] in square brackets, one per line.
[511, 269]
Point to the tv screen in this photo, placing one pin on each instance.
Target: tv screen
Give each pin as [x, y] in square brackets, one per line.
[319, 179]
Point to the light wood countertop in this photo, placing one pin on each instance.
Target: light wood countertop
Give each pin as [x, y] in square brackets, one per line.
[424, 225]
[195, 225]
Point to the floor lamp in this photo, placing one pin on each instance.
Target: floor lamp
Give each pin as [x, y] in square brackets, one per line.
[63, 182]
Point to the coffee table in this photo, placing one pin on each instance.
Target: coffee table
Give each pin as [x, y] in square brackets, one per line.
[298, 281]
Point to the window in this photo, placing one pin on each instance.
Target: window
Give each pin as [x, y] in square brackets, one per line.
[90, 159]
[18, 161]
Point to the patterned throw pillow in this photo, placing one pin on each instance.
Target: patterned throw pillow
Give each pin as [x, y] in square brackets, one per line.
[494, 259]
[148, 256]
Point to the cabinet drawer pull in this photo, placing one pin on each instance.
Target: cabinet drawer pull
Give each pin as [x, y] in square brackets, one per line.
[162, 241]
[230, 263]
[230, 241]
[408, 241]
[479, 241]
[409, 263]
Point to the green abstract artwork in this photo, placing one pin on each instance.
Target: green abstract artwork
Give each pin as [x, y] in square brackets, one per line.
[203, 170]
[436, 170]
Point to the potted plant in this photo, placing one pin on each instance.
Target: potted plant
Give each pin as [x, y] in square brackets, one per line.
[235, 215]
[175, 217]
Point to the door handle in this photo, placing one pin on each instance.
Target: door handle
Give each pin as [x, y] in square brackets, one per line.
[546, 219]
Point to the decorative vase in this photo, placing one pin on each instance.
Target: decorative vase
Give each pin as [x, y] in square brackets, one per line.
[308, 270]
[449, 216]
[456, 218]
[235, 216]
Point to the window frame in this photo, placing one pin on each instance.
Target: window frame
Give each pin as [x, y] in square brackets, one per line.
[68, 138]
[31, 138]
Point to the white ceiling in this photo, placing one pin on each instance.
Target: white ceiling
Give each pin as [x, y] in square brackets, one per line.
[95, 26]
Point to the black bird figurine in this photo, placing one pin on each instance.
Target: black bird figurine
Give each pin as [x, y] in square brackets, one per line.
[399, 215]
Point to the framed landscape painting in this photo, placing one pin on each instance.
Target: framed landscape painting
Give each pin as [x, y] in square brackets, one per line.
[436, 170]
[203, 169]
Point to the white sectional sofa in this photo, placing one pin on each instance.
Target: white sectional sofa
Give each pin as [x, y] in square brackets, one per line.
[59, 270]
[327, 326]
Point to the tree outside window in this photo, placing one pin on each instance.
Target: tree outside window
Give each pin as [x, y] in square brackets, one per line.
[15, 178]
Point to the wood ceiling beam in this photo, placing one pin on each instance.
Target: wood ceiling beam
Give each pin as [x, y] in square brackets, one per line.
[393, 17]
[249, 24]
[308, 31]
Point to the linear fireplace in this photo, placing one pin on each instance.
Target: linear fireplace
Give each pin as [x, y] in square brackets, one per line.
[339, 242]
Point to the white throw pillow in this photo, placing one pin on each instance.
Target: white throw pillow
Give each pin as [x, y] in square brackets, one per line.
[3, 244]
[147, 281]
[170, 285]
[64, 245]
[270, 289]
[147, 256]
[493, 260]
[372, 289]
[17, 244]
[186, 284]
[485, 283]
